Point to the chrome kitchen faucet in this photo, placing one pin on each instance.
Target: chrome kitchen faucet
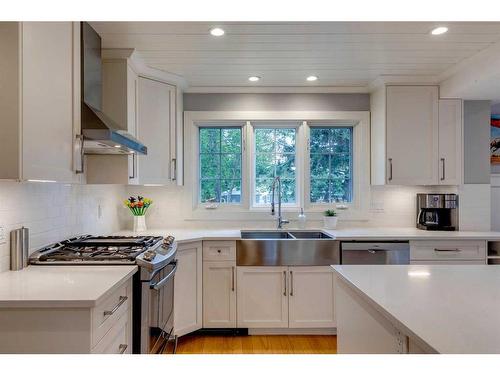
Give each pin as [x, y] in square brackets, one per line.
[281, 221]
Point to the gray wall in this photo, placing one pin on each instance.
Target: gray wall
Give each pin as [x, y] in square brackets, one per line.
[276, 102]
[477, 115]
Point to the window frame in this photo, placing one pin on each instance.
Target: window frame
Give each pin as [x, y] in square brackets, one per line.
[299, 175]
[355, 144]
[358, 209]
[220, 153]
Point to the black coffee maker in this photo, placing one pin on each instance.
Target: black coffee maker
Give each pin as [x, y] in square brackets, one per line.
[437, 211]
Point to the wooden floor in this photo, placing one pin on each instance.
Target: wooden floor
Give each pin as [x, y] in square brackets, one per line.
[257, 344]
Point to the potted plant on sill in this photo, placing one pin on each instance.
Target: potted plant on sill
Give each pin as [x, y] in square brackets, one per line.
[138, 207]
[330, 219]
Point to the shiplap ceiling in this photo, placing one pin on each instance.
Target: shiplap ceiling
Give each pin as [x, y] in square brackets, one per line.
[284, 54]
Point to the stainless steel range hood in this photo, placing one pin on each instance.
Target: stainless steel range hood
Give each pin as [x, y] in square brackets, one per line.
[101, 134]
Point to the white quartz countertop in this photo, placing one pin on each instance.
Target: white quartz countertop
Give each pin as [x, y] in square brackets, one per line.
[60, 286]
[387, 233]
[452, 309]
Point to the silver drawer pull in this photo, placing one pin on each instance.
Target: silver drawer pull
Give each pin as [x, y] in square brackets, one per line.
[448, 250]
[111, 312]
[122, 348]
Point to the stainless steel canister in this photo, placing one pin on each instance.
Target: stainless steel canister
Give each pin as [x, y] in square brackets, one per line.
[19, 246]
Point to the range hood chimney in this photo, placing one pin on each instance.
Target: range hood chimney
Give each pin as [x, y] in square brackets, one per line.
[101, 134]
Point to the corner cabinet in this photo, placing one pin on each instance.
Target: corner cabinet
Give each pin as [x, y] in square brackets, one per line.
[416, 137]
[188, 288]
[40, 101]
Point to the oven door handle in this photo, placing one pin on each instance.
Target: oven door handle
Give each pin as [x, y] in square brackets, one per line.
[159, 284]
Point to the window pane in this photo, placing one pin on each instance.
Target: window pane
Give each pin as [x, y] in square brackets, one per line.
[288, 190]
[275, 156]
[331, 164]
[209, 166]
[320, 190]
[320, 166]
[230, 191]
[263, 191]
[209, 140]
[220, 164]
[264, 140]
[264, 165]
[285, 165]
[231, 166]
[231, 140]
[285, 140]
[209, 191]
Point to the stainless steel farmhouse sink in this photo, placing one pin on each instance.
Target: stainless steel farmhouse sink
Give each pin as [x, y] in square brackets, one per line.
[287, 248]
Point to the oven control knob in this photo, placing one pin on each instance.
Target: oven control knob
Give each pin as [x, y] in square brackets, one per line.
[149, 255]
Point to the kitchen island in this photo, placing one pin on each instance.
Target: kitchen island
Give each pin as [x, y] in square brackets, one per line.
[418, 309]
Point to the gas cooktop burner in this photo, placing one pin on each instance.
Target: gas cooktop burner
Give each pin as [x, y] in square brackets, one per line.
[89, 249]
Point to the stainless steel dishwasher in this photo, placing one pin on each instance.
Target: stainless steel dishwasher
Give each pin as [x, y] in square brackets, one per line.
[387, 252]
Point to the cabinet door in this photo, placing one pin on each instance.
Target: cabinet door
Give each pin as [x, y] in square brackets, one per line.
[450, 141]
[412, 135]
[156, 105]
[311, 300]
[188, 289]
[47, 101]
[219, 294]
[262, 295]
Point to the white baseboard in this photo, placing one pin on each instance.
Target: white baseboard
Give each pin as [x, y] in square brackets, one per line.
[292, 331]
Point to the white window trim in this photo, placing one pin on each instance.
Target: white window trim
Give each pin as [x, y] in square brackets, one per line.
[358, 210]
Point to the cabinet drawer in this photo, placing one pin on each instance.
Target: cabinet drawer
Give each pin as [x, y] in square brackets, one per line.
[219, 250]
[450, 262]
[117, 340]
[447, 250]
[107, 313]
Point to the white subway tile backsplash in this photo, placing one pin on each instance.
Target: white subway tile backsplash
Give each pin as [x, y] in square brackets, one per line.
[54, 212]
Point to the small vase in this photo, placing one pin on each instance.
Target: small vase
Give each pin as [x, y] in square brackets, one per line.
[330, 222]
[140, 223]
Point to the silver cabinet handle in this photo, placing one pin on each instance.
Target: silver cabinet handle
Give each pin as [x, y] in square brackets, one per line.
[448, 250]
[133, 167]
[232, 278]
[284, 282]
[79, 137]
[174, 169]
[122, 348]
[291, 283]
[443, 161]
[390, 169]
[121, 302]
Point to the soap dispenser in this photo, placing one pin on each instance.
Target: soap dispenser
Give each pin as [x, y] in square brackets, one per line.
[302, 219]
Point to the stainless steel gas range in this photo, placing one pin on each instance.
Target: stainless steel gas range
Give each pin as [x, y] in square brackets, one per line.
[153, 285]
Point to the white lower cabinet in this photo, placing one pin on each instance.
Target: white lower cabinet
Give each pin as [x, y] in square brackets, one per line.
[311, 297]
[262, 297]
[285, 297]
[219, 294]
[448, 252]
[188, 288]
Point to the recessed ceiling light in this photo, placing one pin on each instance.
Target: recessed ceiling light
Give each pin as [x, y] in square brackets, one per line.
[439, 30]
[253, 78]
[118, 146]
[312, 78]
[217, 31]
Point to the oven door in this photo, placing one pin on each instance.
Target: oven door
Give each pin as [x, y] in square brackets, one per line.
[161, 290]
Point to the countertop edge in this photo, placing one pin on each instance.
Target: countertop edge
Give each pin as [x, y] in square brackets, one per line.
[394, 320]
[64, 303]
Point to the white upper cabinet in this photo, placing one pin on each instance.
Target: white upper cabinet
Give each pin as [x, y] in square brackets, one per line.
[412, 135]
[40, 101]
[156, 129]
[412, 131]
[450, 141]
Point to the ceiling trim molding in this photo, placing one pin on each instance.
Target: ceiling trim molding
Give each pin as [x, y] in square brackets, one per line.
[277, 89]
[140, 67]
[401, 80]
